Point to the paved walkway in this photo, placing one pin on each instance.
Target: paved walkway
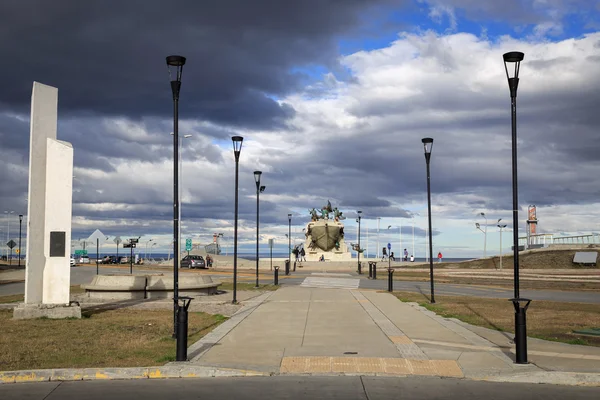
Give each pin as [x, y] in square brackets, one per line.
[310, 330]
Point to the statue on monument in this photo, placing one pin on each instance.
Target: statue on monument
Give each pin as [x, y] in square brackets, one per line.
[325, 234]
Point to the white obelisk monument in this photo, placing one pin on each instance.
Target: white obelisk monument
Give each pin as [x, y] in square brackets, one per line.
[48, 271]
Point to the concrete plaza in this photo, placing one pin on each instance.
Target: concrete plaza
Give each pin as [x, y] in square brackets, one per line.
[307, 330]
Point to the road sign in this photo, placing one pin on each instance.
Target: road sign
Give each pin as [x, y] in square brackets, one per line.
[128, 245]
[389, 246]
[134, 240]
[97, 236]
[271, 244]
[81, 252]
[117, 240]
[188, 244]
[11, 244]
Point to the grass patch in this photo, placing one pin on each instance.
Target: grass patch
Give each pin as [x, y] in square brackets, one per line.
[547, 320]
[500, 283]
[17, 298]
[228, 285]
[115, 338]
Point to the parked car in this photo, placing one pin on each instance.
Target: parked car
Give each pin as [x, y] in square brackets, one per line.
[110, 260]
[84, 259]
[192, 262]
[72, 262]
[123, 260]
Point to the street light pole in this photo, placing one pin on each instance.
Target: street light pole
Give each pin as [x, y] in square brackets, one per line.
[515, 58]
[290, 238]
[177, 62]
[378, 221]
[358, 252]
[20, 231]
[428, 146]
[501, 226]
[478, 226]
[8, 213]
[484, 236]
[237, 148]
[259, 190]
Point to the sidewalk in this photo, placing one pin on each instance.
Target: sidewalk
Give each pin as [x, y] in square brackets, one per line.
[299, 330]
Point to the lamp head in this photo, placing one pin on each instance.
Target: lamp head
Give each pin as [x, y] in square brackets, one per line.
[290, 218]
[262, 189]
[177, 63]
[513, 57]
[482, 214]
[20, 217]
[477, 225]
[427, 147]
[237, 146]
[257, 175]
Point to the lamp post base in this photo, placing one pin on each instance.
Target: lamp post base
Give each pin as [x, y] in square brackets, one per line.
[521, 329]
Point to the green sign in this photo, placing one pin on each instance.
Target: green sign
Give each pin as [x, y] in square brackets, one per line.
[81, 252]
[188, 244]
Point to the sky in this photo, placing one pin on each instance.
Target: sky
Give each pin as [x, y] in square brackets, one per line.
[332, 98]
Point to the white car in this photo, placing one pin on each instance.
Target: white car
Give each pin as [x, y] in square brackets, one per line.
[72, 262]
[84, 260]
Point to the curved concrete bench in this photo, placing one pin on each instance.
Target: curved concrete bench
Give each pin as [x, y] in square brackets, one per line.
[118, 287]
[160, 287]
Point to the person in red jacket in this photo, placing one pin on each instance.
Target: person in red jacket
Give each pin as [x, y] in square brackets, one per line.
[440, 256]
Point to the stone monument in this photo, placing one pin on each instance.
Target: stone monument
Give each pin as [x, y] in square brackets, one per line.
[49, 208]
[325, 235]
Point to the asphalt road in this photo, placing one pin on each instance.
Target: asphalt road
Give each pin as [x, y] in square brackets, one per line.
[85, 274]
[295, 388]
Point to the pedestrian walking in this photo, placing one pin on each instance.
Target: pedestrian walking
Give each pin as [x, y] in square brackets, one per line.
[384, 252]
[392, 256]
[405, 255]
[440, 256]
[302, 255]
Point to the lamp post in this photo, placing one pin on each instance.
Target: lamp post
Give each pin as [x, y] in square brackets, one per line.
[20, 231]
[501, 226]
[428, 146]
[515, 58]
[259, 190]
[358, 251]
[8, 213]
[378, 221]
[478, 226]
[146, 252]
[290, 237]
[177, 63]
[151, 247]
[237, 148]
[484, 236]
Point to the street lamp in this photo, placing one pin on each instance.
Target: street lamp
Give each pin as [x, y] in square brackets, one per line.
[20, 230]
[259, 190]
[478, 226]
[378, 221]
[484, 236]
[175, 62]
[151, 247]
[515, 57]
[501, 226]
[428, 146]
[146, 252]
[289, 240]
[8, 213]
[237, 148]
[358, 251]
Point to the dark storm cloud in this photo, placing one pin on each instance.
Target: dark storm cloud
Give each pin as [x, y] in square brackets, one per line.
[109, 58]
